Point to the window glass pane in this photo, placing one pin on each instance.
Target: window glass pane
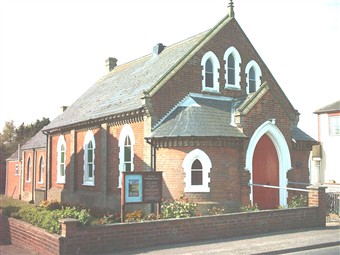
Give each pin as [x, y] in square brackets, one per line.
[127, 141]
[62, 170]
[334, 125]
[62, 148]
[127, 167]
[231, 61]
[196, 177]
[231, 76]
[252, 74]
[89, 155]
[127, 153]
[62, 157]
[90, 145]
[209, 66]
[90, 169]
[252, 86]
[209, 80]
[197, 164]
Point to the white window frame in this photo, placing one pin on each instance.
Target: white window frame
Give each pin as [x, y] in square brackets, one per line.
[258, 74]
[41, 170]
[237, 58]
[28, 170]
[126, 131]
[61, 142]
[87, 180]
[334, 125]
[216, 66]
[16, 170]
[206, 168]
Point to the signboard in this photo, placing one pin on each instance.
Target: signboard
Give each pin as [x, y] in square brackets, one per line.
[141, 187]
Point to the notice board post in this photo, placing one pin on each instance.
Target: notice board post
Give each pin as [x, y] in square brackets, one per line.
[141, 187]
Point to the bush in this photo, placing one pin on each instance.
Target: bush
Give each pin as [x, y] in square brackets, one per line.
[51, 205]
[135, 216]
[216, 211]
[298, 201]
[250, 208]
[180, 208]
[49, 220]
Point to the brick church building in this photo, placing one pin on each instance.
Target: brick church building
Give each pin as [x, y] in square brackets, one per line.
[206, 111]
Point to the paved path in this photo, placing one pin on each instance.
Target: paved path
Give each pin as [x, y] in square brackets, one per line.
[287, 242]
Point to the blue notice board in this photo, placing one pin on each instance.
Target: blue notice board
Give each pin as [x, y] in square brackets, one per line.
[133, 188]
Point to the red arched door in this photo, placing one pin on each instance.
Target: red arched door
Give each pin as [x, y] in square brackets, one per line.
[265, 171]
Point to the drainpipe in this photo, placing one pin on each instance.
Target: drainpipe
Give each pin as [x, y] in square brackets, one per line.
[33, 174]
[47, 164]
[20, 171]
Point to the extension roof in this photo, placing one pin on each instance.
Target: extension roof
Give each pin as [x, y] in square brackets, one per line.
[334, 107]
[37, 141]
[200, 116]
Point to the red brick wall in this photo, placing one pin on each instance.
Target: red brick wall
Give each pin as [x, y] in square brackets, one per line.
[12, 185]
[224, 175]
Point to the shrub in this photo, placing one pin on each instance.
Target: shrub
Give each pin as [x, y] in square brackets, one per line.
[49, 220]
[216, 211]
[180, 208]
[250, 208]
[298, 201]
[51, 205]
[150, 216]
[134, 216]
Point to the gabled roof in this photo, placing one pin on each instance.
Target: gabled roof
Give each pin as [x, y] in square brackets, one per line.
[121, 90]
[200, 115]
[37, 141]
[334, 107]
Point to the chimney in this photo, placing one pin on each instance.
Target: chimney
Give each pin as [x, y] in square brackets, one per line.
[157, 49]
[111, 63]
[63, 108]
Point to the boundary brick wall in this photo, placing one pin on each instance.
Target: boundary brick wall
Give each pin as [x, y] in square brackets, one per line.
[115, 237]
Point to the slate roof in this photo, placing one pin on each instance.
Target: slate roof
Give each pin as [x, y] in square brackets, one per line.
[200, 116]
[300, 135]
[13, 157]
[121, 90]
[334, 107]
[37, 141]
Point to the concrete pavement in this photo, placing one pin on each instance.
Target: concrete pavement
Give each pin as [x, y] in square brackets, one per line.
[286, 242]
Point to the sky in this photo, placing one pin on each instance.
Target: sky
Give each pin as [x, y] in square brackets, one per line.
[52, 51]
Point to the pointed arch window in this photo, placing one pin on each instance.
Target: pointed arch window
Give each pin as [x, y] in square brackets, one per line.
[232, 66]
[28, 170]
[89, 159]
[41, 170]
[126, 152]
[61, 167]
[254, 76]
[197, 166]
[210, 72]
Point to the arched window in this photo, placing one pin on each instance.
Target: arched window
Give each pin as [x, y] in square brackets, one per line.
[126, 153]
[41, 170]
[232, 66]
[89, 159]
[28, 170]
[254, 75]
[197, 166]
[210, 72]
[61, 167]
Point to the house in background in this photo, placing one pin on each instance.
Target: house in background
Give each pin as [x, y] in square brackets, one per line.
[206, 111]
[327, 155]
[26, 171]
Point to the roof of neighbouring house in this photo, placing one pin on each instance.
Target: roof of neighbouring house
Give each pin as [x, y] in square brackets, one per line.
[200, 116]
[13, 157]
[37, 141]
[334, 107]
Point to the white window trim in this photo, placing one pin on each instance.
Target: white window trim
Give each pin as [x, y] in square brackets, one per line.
[61, 141]
[89, 137]
[126, 131]
[41, 181]
[232, 50]
[206, 165]
[216, 67]
[258, 74]
[16, 170]
[28, 170]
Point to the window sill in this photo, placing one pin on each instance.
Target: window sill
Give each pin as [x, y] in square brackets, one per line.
[211, 90]
[28, 181]
[197, 189]
[40, 182]
[60, 182]
[91, 184]
[233, 87]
